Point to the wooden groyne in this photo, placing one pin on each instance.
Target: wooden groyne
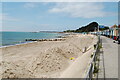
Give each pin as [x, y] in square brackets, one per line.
[58, 39]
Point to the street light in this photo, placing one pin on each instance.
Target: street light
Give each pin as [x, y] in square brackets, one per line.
[98, 29]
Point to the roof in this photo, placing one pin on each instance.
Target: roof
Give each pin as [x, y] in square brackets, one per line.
[119, 26]
[114, 26]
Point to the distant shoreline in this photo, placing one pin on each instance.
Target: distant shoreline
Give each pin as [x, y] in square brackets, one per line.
[27, 42]
[36, 31]
[22, 36]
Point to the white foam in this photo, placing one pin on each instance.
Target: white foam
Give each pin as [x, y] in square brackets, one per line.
[17, 44]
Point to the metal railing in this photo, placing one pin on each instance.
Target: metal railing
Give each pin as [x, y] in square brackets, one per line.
[92, 66]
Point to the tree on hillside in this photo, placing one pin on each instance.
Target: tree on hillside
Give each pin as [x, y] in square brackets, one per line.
[89, 28]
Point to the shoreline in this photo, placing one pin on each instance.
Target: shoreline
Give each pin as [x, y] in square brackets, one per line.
[53, 39]
[24, 40]
[16, 44]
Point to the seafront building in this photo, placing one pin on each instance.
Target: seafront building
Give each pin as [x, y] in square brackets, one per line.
[113, 32]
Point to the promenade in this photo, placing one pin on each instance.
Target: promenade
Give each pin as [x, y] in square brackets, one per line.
[108, 59]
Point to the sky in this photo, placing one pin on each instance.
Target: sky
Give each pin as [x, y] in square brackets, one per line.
[56, 16]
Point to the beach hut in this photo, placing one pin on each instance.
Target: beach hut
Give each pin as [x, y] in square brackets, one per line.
[105, 32]
[119, 30]
[110, 32]
[114, 32]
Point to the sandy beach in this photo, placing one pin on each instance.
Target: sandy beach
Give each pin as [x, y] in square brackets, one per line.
[68, 58]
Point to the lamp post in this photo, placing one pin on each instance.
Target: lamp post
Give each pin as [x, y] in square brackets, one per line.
[98, 34]
[98, 29]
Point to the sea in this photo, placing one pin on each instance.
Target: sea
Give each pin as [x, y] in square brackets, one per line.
[13, 38]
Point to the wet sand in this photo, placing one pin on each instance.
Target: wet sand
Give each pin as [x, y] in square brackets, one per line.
[48, 59]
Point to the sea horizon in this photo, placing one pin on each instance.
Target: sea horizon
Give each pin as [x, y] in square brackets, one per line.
[13, 38]
[33, 31]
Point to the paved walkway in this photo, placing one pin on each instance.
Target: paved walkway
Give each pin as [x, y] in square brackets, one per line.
[108, 59]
